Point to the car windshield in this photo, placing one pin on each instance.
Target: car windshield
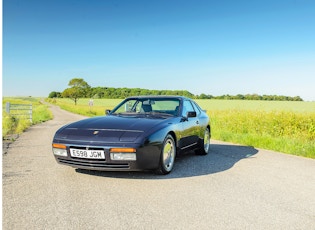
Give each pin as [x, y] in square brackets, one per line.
[148, 106]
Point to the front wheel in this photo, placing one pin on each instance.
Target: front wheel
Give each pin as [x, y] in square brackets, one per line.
[205, 146]
[168, 155]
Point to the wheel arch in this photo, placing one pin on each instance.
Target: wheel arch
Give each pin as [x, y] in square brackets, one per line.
[173, 134]
[209, 127]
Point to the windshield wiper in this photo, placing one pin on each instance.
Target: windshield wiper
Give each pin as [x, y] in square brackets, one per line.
[125, 113]
[154, 113]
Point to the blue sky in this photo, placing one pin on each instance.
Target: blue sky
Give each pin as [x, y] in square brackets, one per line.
[211, 47]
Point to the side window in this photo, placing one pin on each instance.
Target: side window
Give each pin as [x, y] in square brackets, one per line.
[187, 107]
[196, 108]
[138, 107]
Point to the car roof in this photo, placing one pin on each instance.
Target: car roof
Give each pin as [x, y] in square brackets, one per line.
[158, 96]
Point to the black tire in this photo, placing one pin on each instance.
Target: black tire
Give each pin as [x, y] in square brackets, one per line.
[205, 143]
[168, 155]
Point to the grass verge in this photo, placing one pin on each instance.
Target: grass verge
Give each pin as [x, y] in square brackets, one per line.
[16, 125]
[287, 132]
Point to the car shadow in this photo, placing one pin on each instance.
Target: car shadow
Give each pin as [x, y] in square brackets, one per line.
[221, 157]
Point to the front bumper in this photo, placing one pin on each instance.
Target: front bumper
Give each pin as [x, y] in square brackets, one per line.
[148, 158]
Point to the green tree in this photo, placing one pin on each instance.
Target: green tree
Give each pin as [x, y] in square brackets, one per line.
[78, 89]
[54, 94]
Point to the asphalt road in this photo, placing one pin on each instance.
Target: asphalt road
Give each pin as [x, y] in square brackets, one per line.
[233, 187]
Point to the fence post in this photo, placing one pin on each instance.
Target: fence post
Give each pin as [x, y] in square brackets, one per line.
[7, 107]
[31, 113]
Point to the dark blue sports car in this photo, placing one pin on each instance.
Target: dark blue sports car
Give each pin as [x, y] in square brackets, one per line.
[141, 133]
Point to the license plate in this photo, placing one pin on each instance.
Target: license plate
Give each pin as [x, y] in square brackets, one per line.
[90, 154]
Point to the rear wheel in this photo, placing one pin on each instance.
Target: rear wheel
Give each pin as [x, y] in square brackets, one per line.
[168, 155]
[205, 146]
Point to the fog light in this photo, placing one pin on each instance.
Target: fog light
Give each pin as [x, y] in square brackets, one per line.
[59, 149]
[60, 152]
[123, 156]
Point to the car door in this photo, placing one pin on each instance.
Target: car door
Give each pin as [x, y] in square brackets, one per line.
[202, 121]
[190, 127]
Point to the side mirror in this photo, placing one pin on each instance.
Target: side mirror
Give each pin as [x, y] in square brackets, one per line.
[107, 111]
[191, 114]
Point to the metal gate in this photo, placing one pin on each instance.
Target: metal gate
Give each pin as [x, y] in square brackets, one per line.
[20, 110]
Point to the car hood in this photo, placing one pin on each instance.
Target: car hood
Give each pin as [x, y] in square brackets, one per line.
[107, 129]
